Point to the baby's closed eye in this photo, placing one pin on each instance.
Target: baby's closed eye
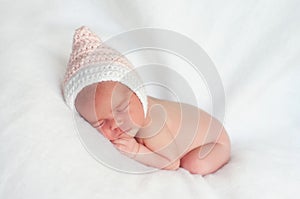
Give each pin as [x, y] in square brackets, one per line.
[99, 124]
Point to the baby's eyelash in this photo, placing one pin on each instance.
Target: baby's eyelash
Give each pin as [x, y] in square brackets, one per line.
[100, 125]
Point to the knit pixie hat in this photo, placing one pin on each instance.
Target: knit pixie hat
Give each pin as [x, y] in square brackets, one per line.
[91, 61]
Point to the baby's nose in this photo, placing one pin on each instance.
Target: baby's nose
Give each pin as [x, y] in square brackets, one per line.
[115, 131]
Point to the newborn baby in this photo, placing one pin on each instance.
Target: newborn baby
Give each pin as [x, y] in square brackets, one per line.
[158, 133]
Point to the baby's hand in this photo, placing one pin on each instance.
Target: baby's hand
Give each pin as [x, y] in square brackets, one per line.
[127, 145]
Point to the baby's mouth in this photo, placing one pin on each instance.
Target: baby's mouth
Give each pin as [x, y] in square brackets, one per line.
[122, 133]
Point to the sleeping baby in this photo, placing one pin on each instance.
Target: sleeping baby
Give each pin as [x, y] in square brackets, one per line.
[103, 87]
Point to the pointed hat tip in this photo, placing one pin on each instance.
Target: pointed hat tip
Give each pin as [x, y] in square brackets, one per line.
[83, 32]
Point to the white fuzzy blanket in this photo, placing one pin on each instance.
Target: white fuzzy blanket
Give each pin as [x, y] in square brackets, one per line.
[255, 46]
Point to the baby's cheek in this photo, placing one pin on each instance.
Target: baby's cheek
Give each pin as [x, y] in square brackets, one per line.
[136, 116]
[136, 113]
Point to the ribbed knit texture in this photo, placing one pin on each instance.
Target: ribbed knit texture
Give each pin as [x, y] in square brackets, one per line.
[92, 61]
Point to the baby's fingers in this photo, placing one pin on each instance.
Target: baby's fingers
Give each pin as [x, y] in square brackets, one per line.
[120, 141]
[119, 146]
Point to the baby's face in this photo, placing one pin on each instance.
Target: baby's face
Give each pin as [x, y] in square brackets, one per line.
[112, 108]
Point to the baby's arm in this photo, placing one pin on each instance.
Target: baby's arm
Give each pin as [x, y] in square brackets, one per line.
[143, 154]
[164, 144]
[150, 158]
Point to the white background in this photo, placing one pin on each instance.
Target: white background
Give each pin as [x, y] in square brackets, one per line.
[255, 46]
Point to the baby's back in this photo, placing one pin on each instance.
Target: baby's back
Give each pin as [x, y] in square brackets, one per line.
[186, 125]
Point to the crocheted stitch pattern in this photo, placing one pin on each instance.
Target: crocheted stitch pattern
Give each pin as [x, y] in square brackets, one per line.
[91, 61]
[88, 50]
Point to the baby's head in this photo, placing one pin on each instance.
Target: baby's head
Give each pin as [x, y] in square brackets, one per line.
[110, 107]
[102, 86]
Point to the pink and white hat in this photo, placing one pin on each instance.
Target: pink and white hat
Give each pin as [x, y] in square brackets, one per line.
[92, 61]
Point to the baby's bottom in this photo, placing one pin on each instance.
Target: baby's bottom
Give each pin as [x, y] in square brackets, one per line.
[218, 156]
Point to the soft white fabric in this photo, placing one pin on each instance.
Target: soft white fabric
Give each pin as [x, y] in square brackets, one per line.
[255, 46]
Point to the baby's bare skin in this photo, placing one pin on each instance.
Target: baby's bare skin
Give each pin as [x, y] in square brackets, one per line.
[172, 134]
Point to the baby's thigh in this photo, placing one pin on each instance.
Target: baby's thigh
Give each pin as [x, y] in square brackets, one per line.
[205, 159]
